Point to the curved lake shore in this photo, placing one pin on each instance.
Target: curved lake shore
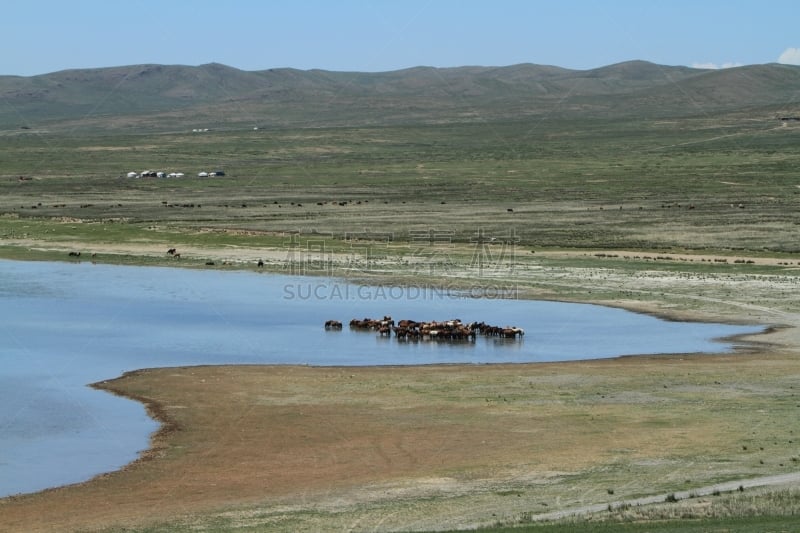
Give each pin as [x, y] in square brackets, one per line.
[74, 324]
[377, 445]
[297, 397]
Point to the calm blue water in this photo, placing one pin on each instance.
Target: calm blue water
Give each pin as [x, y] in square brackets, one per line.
[64, 325]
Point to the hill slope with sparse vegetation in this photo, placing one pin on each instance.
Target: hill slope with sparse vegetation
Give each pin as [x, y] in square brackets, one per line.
[175, 97]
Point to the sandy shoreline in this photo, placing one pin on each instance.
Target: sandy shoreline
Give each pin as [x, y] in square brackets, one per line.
[342, 449]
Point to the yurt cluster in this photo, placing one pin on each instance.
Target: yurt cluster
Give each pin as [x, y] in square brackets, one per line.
[162, 175]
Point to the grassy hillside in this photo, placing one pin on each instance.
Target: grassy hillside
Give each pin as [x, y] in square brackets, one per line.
[173, 97]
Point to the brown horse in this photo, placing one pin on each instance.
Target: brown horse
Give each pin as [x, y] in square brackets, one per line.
[513, 332]
[333, 324]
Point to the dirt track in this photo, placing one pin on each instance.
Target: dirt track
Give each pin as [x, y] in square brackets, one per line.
[779, 480]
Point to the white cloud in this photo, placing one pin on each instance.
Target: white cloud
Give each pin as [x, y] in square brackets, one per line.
[716, 66]
[790, 56]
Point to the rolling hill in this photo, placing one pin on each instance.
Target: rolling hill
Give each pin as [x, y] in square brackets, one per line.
[175, 97]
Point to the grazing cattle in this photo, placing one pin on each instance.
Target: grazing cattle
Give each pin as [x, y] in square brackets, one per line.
[333, 324]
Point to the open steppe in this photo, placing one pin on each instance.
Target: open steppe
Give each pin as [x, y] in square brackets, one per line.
[691, 216]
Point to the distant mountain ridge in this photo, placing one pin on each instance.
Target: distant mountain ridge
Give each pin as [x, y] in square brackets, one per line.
[213, 95]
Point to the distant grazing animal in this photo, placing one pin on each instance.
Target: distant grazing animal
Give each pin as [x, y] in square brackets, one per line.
[333, 324]
[74, 254]
[512, 332]
[171, 251]
[260, 263]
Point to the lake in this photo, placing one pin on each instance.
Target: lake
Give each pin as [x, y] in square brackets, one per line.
[65, 325]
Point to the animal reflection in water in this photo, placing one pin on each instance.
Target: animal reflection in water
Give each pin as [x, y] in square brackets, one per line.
[411, 330]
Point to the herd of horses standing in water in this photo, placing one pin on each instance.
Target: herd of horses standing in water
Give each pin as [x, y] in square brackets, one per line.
[449, 330]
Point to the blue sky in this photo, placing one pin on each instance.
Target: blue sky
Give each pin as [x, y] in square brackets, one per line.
[41, 36]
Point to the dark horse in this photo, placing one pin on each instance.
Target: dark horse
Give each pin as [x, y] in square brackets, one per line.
[333, 324]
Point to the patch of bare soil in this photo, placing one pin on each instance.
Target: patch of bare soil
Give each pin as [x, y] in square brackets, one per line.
[398, 448]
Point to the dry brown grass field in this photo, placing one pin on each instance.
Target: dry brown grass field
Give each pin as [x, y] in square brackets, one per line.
[333, 449]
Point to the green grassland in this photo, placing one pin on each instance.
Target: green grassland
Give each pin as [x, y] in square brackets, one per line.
[722, 184]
